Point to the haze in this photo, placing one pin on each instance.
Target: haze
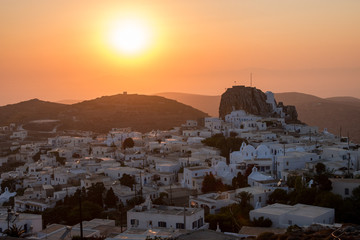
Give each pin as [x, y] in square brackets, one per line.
[56, 50]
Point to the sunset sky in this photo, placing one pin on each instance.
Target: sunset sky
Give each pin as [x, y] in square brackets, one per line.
[66, 49]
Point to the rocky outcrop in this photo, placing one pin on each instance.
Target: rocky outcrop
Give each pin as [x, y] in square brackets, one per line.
[291, 115]
[249, 99]
[253, 101]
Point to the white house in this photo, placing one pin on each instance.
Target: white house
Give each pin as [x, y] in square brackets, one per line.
[344, 187]
[214, 124]
[193, 176]
[147, 216]
[293, 161]
[283, 215]
[212, 202]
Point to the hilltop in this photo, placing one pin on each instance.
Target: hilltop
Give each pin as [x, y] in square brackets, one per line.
[331, 113]
[140, 112]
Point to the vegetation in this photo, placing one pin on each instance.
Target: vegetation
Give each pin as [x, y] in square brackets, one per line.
[261, 222]
[128, 143]
[278, 196]
[225, 145]
[161, 199]
[10, 166]
[346, 210]
[102, 114]
[15, 231]
[239, 181]
[134, 201]
[9, 183]
[127, 180]
[230, 218]
[111, 199]
[244, 198]
[266, 236]
[211, 184]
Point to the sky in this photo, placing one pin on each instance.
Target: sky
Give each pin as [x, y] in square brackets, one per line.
[62, 49]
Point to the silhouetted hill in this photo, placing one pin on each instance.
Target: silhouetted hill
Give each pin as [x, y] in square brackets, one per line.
[69, 101]
[207, 104]
[30, 110]
[142, 113]
[330, 113]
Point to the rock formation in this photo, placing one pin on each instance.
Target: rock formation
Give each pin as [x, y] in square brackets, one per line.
[249, 99]
[254, 102]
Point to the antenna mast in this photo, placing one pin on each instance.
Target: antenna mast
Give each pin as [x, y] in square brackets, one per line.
[251, 79]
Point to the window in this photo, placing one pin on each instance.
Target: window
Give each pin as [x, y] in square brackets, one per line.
[194, 224]
[290, 222]
[162, 224]
[180, 226]
[200, 222]
[259, 199]
[346, 191]
[134, 222]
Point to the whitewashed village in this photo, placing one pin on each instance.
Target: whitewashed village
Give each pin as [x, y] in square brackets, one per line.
[230, 178]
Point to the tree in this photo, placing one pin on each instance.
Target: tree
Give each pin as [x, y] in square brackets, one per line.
[15, 231]
[95, 193]
[225, 145]
[89, 211]
[128, 143]
[239, 181]
[323, 182]
[320, 168]
[278, 196]
[36, 157]
[356, 195]
[58, 214]
[127, 180]
[244, 197]
[329, 200]
[211, 184]
[10, 183]
[160, 200]
[111, 199]
[291, 181]
[305, 196]
[134, 201]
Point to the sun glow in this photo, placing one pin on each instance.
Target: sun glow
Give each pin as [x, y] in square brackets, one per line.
[130, 37]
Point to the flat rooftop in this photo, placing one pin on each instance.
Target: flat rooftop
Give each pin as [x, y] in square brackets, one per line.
[168, 210]
[298, 209]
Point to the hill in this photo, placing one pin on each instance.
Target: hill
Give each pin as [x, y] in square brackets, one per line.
[207, 104]
[142, 113]
[331, 113]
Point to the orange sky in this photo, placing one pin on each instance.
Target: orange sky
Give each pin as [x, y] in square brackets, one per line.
[58, 49]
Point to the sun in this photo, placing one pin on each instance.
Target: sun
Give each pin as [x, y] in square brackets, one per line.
[130, 36]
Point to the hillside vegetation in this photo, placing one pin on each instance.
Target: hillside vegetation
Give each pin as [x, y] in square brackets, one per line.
[142, 113]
